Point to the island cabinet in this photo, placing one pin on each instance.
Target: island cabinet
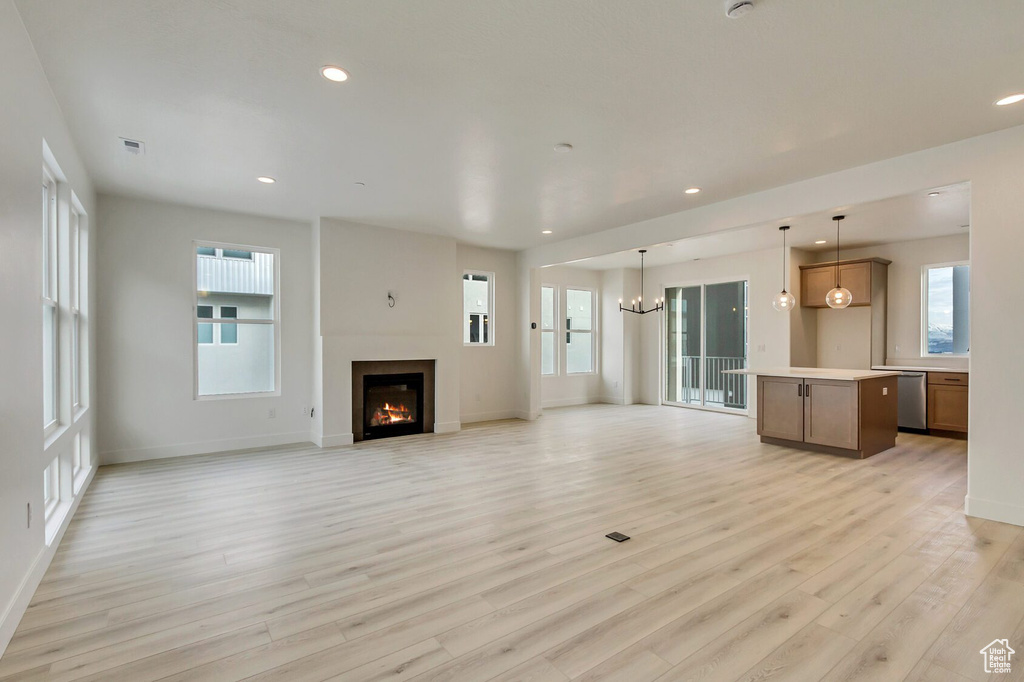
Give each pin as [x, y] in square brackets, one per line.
[852, 417]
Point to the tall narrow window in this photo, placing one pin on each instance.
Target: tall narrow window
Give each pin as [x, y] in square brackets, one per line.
[548, 348]
[477, 308]
[51, 371]
[947, 300]
[579, 331]
[74, 280]
[51, 488]
[237, 320]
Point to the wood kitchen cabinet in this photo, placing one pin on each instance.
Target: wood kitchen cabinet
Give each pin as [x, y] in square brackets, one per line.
[947, 401]
[855, 418]
[832, 413]
[866, 279]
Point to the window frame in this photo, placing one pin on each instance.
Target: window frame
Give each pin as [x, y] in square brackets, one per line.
[925, 353]
[593, 331]
[553, 331]
[51, 489]
[51, 295]
[490, 308]
[219, 340]
[275, 321]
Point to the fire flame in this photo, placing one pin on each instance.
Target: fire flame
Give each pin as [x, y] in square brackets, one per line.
[391, 414]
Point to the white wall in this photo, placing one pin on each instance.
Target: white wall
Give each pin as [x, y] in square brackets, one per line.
[28, 116]
[147, 409]
[768, 331]
[571, 389]
[903, 346]
[359, 265]
[487, 386]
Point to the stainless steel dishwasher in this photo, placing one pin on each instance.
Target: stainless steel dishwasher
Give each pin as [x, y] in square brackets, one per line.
[913, 401]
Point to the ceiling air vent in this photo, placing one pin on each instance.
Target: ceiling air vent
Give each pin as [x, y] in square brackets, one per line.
[133, 146]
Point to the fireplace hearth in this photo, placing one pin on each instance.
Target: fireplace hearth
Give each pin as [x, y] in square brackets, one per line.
[392, 398]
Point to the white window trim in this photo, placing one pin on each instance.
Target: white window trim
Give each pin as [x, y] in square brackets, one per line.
[276, 322]
[924, 310]
[593, 331]
[51, 289]
[51, 499]
[553, 331]
[490, 307]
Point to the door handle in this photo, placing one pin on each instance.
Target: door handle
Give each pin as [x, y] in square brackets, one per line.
[807, 390]
[800, 391]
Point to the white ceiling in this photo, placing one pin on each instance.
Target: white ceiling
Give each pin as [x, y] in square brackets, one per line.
[903, 218]
[453, 106]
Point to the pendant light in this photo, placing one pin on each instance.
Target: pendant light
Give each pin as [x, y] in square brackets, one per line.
[659, 303]
[839, 297]
[784, 302]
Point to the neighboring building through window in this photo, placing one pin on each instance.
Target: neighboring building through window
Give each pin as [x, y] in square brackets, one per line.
[236, 320]
[947, 293]
[579, 331]
[477, 308]
[548, 316]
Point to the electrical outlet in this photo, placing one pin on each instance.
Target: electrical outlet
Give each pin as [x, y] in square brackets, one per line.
[885, 390]
[616, 384]
[271, 413]
[761, 347]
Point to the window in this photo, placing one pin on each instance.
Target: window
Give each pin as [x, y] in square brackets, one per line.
[947, 300]
[477, 307]
[205, 330]
[76, 455]
[229, 332]
[74, 279]
[51, 371]
[548, 315]
[579, 328]
[237, 318]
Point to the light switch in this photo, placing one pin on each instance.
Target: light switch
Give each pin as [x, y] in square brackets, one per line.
[885, 390]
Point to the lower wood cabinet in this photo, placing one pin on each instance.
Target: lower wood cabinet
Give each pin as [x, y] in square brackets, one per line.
[947, 408]
[848, 417]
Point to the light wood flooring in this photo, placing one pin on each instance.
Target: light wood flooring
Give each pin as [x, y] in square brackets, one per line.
[481, 556]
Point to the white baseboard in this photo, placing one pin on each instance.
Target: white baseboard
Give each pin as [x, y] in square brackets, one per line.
[15, 610]
[526, 415]
[447, 427]
[994, 511]
[612, 400]
[203, 447]
[567, 402]
[488, 416]
[336, 441]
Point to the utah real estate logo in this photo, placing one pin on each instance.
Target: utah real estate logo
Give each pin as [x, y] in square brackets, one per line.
[997, 656]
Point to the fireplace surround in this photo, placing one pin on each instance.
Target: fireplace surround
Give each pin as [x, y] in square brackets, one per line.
[392, 398]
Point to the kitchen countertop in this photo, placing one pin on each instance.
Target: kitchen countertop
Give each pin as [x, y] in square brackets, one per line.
[816, 373]
[905, 368]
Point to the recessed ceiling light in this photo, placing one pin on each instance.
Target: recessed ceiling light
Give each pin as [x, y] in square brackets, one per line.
[563, 147]
[545, 231]
[933, 194]
[1011, 99]
[820, 241]
[693, 190]
[334, 73]
[266, 180]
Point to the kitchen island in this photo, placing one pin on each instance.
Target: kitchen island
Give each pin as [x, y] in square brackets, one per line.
[837, 411]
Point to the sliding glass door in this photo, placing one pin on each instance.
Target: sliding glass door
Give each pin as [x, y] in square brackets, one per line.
[706, 334]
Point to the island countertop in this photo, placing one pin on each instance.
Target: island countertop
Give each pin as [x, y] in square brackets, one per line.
[815, 373]
[908, 368]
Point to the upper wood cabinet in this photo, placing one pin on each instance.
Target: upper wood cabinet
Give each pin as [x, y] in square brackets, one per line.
[866, 280]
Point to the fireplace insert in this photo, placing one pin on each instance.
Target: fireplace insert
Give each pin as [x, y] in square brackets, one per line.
[392, 405]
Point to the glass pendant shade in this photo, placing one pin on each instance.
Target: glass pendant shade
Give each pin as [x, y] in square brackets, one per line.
[839, 298]
[784, 301]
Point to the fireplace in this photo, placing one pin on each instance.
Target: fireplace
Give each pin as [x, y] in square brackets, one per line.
[392, 405]
[392, 398]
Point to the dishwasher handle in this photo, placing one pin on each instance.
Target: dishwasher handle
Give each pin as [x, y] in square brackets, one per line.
[913, 375]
